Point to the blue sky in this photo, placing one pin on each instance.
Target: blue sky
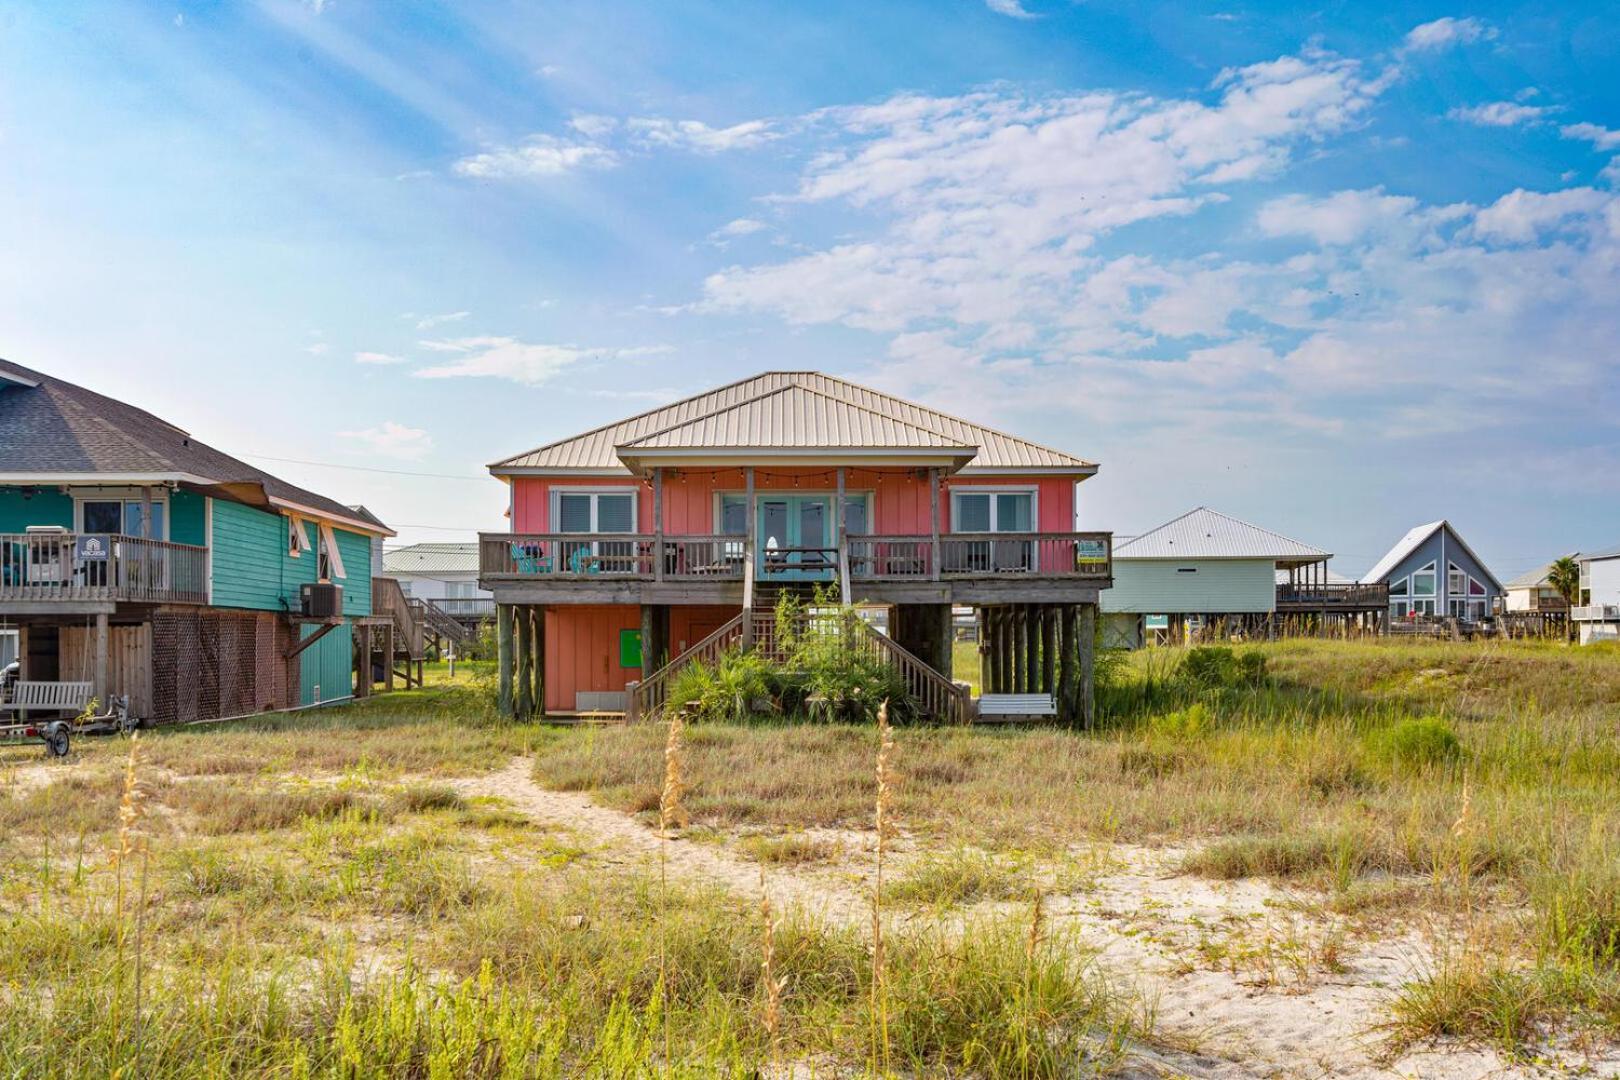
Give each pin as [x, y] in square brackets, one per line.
[1334, 270]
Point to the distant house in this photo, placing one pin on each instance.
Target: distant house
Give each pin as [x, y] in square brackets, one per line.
[1206, 569]
[1599, 617]
[446, 573]
[1432, 572]
[1531, 591]
[138, 559]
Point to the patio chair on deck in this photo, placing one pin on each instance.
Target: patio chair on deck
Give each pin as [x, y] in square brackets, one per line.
[529, 561]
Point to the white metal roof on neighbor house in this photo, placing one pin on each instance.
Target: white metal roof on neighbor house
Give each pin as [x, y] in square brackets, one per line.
[597, 451]
[430, 560]
[1208, 534]
[1333, 578]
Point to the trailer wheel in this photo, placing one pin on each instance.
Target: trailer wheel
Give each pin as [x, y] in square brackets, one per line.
[56, 740]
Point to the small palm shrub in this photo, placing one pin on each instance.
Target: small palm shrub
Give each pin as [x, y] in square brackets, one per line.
[733, 689]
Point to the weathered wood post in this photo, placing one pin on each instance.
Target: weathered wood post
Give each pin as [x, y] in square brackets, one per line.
[522, 630]
[1020, 646]
[1049, 640]
[751, 557]
[1088, 647]
[362, 680]
[388, 661]
[503, 656]
[658, 525]
[99, 685]
[1068, 677]
[538, 666]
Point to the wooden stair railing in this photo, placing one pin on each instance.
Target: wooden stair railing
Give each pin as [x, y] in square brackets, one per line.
[648, 697]
[935, 695]
[439, 621]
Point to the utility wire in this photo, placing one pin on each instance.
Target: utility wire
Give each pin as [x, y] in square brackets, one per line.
[366, 468]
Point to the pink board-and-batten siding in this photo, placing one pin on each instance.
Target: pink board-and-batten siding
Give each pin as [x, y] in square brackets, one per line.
[582, 646]
[900, 498]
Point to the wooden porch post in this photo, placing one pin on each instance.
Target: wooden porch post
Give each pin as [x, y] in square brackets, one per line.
[1068, 681]
[658, 527]
[933, 522]
[750, 555]
[99, 685]
[1004, 646]
[362, 678]
[649, 641]
[1020, 648]
[503, 656]
[388, 662]
[522, 630]
[842, 517]
[1032, 648]
[1049, 637]
[1088, 645]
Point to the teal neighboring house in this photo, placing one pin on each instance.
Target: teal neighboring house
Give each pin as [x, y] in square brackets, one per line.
[156, 567]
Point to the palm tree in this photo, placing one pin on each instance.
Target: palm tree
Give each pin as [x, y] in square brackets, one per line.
[1564, 575]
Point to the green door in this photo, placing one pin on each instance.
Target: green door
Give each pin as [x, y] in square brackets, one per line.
[796, 538]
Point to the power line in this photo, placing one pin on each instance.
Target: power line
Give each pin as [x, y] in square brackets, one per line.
[365, 468]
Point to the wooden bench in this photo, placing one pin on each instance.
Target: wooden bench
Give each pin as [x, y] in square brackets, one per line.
[1016, 706]
[53, 697]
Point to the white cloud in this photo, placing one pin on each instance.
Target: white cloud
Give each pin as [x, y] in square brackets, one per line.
[529, 363]
[377, 358]
[697, 136]
[395, 440]
[319, 348]
[995, 199]
[1446, 32]
[428, 322]
[1012, 8]
[731, 230]
[1520, 216]
[537, 156]
[1341, 218]
[1500, 114]
[1601, 138]
[592, 126]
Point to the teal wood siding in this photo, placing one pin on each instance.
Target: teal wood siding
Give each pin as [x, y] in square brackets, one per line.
[41, 507]
[249, 557]
[1214, 586]
[253, 568]
[325, 669]
[355, 549]
[188, 518]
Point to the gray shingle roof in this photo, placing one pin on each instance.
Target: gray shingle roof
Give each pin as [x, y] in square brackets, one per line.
[596, 450]
[1208, 534]
[54, 428]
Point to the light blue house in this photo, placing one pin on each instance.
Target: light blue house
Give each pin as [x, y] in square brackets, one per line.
[1433, 573]
[138, 559]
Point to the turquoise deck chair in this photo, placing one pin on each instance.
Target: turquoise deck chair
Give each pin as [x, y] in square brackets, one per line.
[528, 563]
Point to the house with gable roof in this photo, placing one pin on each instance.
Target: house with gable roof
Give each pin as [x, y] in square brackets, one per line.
[1431, 572]
[146, 563]
[668, 535]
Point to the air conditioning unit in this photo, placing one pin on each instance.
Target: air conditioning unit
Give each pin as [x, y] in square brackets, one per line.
[322, 601]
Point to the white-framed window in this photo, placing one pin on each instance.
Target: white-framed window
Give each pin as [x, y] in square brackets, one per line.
[329, 557]
[116, 510]
[1424, 583]
[976, 510]
[1456, 580]
[297, 538]
[1398, 587]
[598, 510]
[1400, 608]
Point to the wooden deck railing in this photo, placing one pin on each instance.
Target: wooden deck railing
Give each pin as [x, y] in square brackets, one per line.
[1334, 595]
[65, 567]
[871, 557]
[648, 697]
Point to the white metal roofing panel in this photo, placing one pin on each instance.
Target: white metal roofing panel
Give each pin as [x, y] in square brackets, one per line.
[595, 450]
[1403, 547]
[432, 558]
[794, 417]
[1209, 534]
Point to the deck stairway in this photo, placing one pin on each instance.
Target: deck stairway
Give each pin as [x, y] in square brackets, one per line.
[437, 621]
[755, 628]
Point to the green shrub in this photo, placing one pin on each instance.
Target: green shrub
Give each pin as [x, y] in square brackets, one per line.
[1217, 667]
[1426, 741]
[1183, 725]
[733, 689]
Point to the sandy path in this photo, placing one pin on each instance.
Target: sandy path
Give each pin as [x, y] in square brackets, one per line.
[1235, 970]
